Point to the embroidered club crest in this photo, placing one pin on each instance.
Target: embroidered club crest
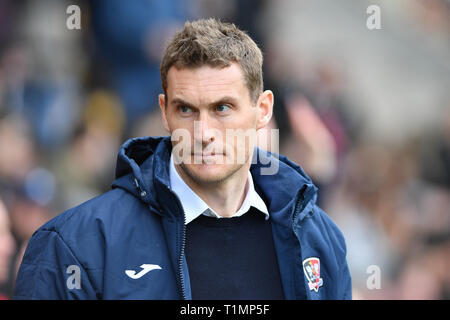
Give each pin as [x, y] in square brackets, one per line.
[311, 267]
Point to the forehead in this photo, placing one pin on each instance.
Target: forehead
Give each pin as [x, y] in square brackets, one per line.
[206, 83]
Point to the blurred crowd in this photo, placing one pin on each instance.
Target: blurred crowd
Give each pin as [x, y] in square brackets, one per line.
[70, 98]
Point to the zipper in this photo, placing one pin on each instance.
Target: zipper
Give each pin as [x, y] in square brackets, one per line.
[297, 210]
[297, 204]
[300, 198]
[182, 247]
[180, 261]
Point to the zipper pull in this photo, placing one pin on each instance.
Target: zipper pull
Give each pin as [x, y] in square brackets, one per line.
[142, 192]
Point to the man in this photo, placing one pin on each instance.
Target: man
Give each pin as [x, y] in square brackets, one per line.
[196, 216]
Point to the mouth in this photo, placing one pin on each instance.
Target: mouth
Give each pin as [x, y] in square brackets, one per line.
[207, 154]
[208, 158]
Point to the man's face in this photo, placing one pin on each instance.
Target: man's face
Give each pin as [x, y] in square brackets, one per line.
[211, 105]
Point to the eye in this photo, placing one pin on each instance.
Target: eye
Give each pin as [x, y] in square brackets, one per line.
[185, 109]
[222, 108]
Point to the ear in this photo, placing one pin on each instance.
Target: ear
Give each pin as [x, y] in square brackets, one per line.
[265, 108]
[162, 106]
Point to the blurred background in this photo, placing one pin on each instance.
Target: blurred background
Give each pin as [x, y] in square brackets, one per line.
[365, 112]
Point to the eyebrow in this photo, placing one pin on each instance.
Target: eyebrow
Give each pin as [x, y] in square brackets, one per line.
[222, 100]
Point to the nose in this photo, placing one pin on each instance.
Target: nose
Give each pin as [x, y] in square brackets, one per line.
[204, 133]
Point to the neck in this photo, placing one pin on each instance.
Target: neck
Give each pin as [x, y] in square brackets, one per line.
[226, 196]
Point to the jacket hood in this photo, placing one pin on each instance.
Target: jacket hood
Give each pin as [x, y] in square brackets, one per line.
[143, 170]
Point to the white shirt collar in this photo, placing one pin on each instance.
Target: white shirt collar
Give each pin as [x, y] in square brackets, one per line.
[194, 206]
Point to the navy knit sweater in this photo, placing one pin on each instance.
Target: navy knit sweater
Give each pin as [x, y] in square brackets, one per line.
[232, 258]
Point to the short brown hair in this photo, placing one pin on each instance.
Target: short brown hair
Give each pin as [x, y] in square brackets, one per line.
[217, 44]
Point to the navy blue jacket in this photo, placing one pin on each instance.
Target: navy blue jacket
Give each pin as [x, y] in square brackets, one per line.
[84, 252]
